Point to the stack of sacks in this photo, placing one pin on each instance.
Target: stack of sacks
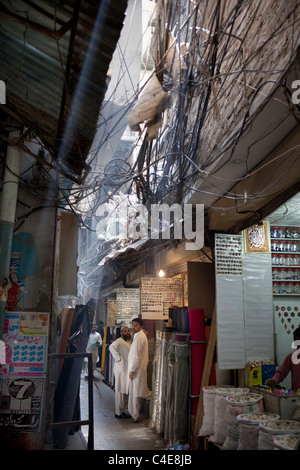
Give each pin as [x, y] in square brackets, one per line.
[220, 421]
[269, 429]
[209, 395]
[249, 428]
[247, 403]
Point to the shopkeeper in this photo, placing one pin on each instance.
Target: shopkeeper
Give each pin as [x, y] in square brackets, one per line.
[290, 363]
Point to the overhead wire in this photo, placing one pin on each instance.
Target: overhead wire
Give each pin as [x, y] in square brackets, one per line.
[168, 166]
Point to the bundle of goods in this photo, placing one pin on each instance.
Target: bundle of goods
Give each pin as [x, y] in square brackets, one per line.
[220, 421]
[259, 371]
[249, 428]
[285, 392]
[209, 395]
[286, 442]
[236, 405]
[268, 430]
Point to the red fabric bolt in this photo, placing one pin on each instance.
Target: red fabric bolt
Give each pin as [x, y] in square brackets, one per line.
[197, 333]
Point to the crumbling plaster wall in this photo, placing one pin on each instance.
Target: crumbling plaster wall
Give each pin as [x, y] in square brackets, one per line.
[270, 39]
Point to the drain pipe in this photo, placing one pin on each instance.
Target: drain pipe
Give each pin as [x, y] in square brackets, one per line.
[8, 214]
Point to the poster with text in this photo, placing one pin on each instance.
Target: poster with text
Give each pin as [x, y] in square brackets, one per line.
[25, 337]
[158, 295]
[21, 403]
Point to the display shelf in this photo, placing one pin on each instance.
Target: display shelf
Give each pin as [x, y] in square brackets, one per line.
[286, 295]
[285, 249]
[285, 238]
[288, 253]
[280, 266]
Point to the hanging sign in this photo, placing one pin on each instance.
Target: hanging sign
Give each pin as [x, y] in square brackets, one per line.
[127, 304]
[228, 249]
[257, 238]
[158, 295]
[229, 301]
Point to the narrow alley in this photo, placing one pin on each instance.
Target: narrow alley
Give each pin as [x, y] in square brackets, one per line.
[111, 433]
[149, 229]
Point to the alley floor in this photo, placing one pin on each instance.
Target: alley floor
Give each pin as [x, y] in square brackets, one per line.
[111, 433]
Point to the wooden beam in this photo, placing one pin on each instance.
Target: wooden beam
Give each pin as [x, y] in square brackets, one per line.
[205, 378]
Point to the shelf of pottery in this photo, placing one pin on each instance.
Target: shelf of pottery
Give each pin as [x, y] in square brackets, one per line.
[285, 252]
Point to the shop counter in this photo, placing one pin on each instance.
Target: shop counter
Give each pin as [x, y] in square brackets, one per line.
[284, 405]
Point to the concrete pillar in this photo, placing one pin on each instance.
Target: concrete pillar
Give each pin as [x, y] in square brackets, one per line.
[8, 213]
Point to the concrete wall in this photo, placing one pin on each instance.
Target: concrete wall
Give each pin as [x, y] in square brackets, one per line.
[32, 272]
[34, 241]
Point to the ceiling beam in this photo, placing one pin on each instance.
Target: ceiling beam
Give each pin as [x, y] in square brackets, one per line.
[56, 35]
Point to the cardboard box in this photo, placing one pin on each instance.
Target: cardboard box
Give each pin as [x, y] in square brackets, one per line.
[268, 370]
[254, 375]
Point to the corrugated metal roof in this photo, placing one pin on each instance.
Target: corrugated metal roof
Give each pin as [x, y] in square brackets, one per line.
[48, 44]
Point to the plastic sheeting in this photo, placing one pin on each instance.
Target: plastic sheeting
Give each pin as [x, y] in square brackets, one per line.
[197, 332]
[169, 406]
[159, 383]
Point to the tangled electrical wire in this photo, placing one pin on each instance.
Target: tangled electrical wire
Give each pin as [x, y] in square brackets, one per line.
[168, 166]
[212, 60]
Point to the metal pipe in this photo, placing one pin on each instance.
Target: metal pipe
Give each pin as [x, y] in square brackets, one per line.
[8, 213]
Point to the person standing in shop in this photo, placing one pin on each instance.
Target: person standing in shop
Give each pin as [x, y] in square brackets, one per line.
[138, 359]
[119, 350]
[291, 364]
[94, 341]
[100, 329]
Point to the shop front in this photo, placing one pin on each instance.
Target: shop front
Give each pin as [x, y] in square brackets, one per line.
[258, 311]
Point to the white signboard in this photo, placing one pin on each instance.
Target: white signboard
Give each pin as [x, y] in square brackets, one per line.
[158, 295]
[229, 300]
[127, 304]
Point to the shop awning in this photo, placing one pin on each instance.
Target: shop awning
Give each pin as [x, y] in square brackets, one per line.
[115, 253]
[54, 60]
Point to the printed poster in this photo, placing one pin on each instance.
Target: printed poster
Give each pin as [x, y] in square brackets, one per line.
[21, 403]
[25, 338]
[158, 295]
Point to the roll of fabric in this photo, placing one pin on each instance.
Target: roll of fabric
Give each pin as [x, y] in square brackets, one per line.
[212, 379]
[181, 397]
[197, 333]
[187, 322]
[183, 320]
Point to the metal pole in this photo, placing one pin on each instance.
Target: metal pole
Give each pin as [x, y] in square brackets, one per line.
[8, 214]
[90, 445]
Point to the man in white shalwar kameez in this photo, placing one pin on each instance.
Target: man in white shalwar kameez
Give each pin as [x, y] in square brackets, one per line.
[137, 365]
[94, 341]
[119, 350]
